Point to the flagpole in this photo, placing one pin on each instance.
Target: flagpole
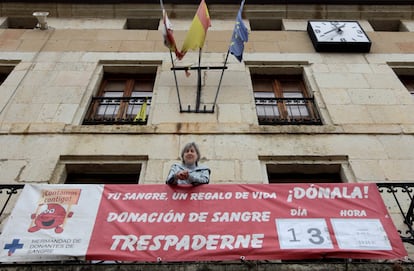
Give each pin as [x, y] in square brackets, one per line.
[176, 82]
[198, 82]
[224, 66]
[221, 78]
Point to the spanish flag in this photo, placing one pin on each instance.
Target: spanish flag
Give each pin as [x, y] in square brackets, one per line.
[198, 29]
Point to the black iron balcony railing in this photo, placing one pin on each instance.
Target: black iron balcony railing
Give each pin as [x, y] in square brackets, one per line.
[290, 111]
[7, 193]
[399, 198]
[118, 110]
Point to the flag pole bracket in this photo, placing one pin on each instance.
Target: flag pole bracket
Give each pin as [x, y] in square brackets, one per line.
[199, 107]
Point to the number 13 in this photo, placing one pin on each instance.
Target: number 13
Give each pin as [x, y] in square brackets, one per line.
[316, 236]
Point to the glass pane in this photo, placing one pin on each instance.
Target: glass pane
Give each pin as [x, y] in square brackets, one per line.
[296, 108]
[133, 109]
[267, 111]
[271, 111]
[117, 94]
[266, 105]
[108, 110]
[297, 111]
[264, 95]
[139, 94]
[292, 95]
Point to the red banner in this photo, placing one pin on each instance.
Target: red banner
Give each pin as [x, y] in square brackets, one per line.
[252, 222]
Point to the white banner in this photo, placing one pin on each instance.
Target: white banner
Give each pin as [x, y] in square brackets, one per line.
[58, 227]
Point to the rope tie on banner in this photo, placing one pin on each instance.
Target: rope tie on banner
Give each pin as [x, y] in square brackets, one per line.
[159, 259]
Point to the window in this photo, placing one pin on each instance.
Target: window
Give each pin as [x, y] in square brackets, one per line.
[265, 24]
[283, 99]
[148, 24]
[20, 23]
[304, 173]
[307, 169]
[408, 81]
[5, 70]
[387, 25]
[106, 173]
[3, 77]
[102, 169]
[122, 99]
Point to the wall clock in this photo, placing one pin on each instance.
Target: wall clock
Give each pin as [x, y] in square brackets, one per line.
[338, 36]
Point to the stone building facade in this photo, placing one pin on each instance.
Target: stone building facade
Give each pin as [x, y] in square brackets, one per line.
[365, 111]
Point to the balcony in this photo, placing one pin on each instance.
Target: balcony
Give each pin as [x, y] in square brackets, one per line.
[118, 111]
[287, 111]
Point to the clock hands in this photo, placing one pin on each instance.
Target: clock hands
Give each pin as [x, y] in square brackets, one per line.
[337, 28]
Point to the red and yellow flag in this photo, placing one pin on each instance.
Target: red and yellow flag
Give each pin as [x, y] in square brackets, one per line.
[198, 29]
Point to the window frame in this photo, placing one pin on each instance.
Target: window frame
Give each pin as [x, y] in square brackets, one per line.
[301, 166]
[121, 117]
[95, 165]
[278, 90]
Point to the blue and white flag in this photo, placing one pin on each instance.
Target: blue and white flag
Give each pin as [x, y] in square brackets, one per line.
[240, 36]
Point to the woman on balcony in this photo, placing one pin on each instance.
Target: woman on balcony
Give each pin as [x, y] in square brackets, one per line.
[189, 172]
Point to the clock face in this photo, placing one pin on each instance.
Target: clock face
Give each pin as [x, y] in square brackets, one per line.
[339, 31]
[338, 36]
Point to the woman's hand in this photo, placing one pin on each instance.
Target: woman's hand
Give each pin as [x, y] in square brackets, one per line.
[182, 175]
